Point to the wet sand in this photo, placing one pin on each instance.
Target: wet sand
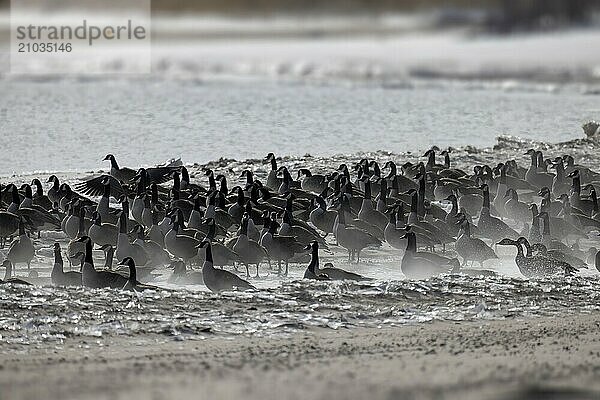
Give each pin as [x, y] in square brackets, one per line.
[514, 359]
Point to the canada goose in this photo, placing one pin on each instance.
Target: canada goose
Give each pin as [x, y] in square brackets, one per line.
[39, 198]
[138, 204]
[8, 275]
[534, 175]
[217, 279]
[37, 217]
[181, 276]
[132, 283]
[312, 269]
[195, 218]
[124, 247]
[122, 174]
[427, 223]
[279, 247]
[72, 222]
[502, 188]
[560, 185]
[490, 227]
[21, 249]
[585, 205]
[472, 249]
[54, 193]
[157, 255]
[103, 208]
[75, 245]
[514, 209]
[367, 213]
[329, 272]
[58, 275]
[415, 267]
[180, 245]
[222, 255]
[398, 183]
[216, 211]
[236, 210]
[322, 218]
[557, 226]
[9, 224]
[303, 235]
[535, 266]
[249, 251]
[310, 182]
[102, 233]
[98, 279]
[273, 181]
[394, 236]
[353, 239]
[594, 198]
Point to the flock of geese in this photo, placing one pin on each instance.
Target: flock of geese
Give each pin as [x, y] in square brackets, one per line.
[440, 218]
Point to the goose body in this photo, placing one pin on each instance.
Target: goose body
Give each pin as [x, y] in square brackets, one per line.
[92, 278]
[249, 251]
[353, 239]
[59, 276]
[132, 282]
[124, 247]
[21, 249]
[218, 280]
[416, 267]
[472, 249]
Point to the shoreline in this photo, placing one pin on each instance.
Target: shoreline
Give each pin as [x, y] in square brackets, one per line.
[510, 359]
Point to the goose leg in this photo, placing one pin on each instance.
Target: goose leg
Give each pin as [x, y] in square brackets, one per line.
[357, 256]
[247, 271]
[286, 267]
[349, 257]
[257, 276]
[278, 267]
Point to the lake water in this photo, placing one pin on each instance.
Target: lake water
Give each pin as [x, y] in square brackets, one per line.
[72, 124]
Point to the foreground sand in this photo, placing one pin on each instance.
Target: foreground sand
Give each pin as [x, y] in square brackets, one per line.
[539, 358]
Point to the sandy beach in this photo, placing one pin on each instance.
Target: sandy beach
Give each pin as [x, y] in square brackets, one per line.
[515, 359]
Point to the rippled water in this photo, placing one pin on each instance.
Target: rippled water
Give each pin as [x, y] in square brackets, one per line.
[44, 314]
[73, 124]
